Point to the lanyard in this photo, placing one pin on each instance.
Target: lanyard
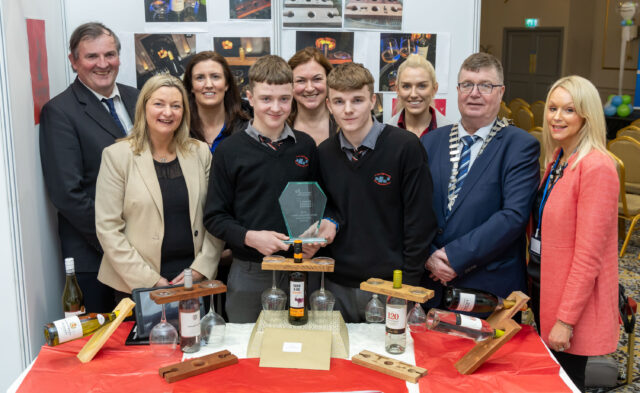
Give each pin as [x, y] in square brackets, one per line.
[547, 191]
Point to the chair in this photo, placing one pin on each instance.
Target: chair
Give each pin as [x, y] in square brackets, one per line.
[630, 131]
[538, 113]
[636, 123]
[628, 150]
[628, 204]
[516, 103]
[504, 111]
[537, 133]
[524, 118]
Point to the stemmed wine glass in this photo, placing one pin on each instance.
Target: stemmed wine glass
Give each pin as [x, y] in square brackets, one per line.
[374, 312]
[212, 325]
[417, 319]
[163, 338]
[322, 301]
[273, 299]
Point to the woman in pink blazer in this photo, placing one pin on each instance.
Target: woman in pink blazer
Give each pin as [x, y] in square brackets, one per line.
[573, 267]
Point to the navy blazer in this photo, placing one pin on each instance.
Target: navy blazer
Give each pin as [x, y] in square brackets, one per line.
[74, 129]
[484, 236]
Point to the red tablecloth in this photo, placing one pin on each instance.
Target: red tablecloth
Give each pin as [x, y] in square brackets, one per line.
[523, 364]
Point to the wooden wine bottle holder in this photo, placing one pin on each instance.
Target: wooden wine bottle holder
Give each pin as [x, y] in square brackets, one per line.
[203, 288]
[409, 292]
[197, 366]
[101, 335]
[500, 319]
[389, 366]
[322, 264]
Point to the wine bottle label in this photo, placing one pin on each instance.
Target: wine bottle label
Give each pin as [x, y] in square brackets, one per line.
[68, 314]
[466, 302]
[68, 329]
[470, 322]
[296, 294]
[178, 5]
[190, 324]
[396, 317]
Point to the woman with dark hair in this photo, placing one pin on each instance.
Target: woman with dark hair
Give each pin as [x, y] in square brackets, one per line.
[214, 99]
[309, 112]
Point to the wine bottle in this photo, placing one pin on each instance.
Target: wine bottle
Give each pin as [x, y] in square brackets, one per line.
[72, 299]
[461, 325]
[73, 327]
[395, 339]
[189, 318]
[298, 314]
[473, 300]
[297, 250]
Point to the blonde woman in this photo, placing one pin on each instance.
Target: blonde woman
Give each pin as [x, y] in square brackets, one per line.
[150, 194]
[416, 88]
[573, 267]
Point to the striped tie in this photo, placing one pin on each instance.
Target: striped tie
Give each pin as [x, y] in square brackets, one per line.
[268, 142]
[114, 114]
[465, 159]
[358, 153]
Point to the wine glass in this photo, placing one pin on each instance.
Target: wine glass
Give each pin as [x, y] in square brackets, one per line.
[322, 301]
[163, 338]
[374, 312]
[417, 319]
[273, 299]
[212, 325]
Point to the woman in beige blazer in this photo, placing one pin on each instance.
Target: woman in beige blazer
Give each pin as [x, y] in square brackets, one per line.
[150, 193]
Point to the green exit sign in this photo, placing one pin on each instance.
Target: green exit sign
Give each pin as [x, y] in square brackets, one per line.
[531, 22]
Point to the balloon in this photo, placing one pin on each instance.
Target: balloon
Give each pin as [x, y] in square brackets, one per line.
[626, 99]
[616, 101]
[624, 110]
[610, 97]
[609, 110]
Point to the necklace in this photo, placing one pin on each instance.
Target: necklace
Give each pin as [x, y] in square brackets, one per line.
[455, 150]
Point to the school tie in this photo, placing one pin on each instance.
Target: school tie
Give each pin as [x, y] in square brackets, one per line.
[114, 114]
[272, 144]
[358, 153]
[465, 159]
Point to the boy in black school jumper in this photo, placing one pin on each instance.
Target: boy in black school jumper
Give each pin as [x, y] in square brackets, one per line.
[378, 181]
[249, 172]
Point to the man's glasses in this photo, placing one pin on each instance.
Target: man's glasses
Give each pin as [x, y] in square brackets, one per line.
[483, 88]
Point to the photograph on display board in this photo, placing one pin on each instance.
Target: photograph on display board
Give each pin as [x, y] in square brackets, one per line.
[241, 53]
[312, 13]
[394, 49]
[336, 46]
[250, 9]
[373, 14]
[175, 10]
[162, 54]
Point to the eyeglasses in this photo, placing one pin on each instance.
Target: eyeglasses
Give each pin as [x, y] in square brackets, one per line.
[483, 88]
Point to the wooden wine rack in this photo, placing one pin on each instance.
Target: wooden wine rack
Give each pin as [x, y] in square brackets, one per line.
[203, 288]
[307, 265]
[389, 366]
[409, 292]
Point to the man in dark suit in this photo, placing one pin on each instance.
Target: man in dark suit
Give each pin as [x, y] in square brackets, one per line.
[74, 128]
[485, 175]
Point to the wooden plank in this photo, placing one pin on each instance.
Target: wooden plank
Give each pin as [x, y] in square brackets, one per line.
[484, 349]
[507, 313]
[203, 288]
[101, 335]
[409, 292]
[384, 10]
[389, 366]
[307, 265]
[197, 366]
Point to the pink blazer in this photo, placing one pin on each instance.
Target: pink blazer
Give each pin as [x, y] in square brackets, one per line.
[579, 271]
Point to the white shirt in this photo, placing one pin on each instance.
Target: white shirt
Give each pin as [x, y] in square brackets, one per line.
[117, 103]
[475, 148]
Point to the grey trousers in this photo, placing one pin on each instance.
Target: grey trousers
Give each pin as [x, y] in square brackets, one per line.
[351, 302]
[245, 285]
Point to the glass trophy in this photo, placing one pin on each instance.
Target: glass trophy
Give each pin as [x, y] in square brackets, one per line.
[302, 205]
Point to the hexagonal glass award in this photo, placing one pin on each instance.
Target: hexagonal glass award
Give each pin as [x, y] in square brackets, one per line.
[302, 205]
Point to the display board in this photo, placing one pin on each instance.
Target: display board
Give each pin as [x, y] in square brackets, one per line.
[382, 33]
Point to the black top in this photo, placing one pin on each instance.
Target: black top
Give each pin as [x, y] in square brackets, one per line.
[247, 178]
[177, 243]
[383, 202]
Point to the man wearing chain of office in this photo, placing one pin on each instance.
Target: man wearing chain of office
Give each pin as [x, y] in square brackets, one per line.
[485, 175]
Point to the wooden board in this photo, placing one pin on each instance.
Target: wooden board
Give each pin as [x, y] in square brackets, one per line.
[197, 366]
[307, 265]
[389, 366]
[409, 292]
[507, 313]
[101, 335]
[203, 288]
[386, 9]
[484, 349]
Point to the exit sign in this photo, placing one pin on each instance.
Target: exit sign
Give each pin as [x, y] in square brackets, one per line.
[531, 22]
